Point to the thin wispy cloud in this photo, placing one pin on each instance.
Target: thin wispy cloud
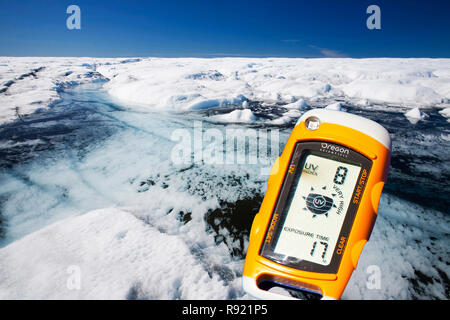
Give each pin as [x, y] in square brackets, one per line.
[332, 53]
[329, 53]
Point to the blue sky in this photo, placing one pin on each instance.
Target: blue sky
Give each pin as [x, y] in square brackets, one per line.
[213, 28]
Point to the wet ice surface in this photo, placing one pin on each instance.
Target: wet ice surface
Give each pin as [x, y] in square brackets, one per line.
[88, 152]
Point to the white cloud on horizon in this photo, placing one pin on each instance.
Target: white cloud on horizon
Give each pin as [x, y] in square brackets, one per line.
[329, 53]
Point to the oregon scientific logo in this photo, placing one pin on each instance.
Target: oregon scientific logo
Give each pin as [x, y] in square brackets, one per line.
[334, 149]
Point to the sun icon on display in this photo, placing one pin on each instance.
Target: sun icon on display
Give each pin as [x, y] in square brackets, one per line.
[318, 203]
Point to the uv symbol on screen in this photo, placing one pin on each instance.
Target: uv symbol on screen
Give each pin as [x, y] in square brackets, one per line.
[318, 204]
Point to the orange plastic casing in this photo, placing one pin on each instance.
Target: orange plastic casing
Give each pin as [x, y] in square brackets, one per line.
[328, 285]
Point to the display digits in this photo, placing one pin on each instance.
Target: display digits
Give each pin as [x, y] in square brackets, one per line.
[325, 247]
[341, 173]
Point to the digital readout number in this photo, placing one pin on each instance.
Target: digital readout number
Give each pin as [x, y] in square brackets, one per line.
[243, 309]
[325, 247]
[341, 174]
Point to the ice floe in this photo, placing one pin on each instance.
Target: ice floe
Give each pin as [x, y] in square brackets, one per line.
[415, 114]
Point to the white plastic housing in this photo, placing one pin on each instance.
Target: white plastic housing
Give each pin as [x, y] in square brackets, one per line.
[361, 124]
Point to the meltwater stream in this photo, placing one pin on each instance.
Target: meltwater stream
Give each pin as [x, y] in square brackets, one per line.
[89, 152]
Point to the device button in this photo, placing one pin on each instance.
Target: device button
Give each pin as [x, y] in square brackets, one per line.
[371, 155]
[356, 251]
[255, 227]
[376, 195]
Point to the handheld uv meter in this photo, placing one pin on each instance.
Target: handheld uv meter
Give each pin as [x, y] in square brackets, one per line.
[320, 206]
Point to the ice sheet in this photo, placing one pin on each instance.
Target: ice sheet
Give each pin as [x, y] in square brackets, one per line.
[30, 85]
[181, 84]
[188, 224]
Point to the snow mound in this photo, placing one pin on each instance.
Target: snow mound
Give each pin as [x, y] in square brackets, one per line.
[104, 254]
[287, 117]
[445, 113]
[363, 103]
[335, 106]
[244, 115]
[415, 114]
[299, 104]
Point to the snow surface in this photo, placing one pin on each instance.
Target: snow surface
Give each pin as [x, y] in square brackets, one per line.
[30, 85]
[118, 256]
[137, 226]
[180, 84]
[186, 84]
